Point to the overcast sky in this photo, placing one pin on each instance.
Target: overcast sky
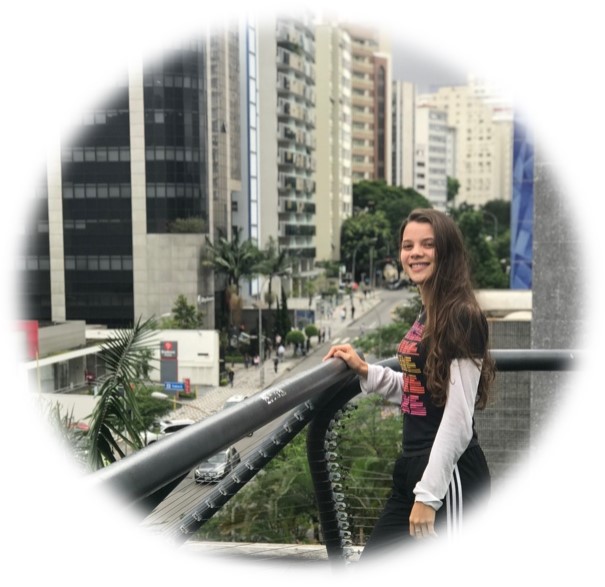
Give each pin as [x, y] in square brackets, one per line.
[427, 71]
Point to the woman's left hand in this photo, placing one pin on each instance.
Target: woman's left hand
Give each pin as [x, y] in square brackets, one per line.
[422, 521]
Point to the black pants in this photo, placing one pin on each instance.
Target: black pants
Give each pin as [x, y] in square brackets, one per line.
[470, 485]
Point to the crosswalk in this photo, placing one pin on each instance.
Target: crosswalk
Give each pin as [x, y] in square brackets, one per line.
[344, 340]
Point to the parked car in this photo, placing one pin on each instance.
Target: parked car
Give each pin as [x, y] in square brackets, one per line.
[214, 468]
[164, 428]
[233, 401]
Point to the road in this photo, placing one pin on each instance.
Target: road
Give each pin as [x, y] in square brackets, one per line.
[189, 494]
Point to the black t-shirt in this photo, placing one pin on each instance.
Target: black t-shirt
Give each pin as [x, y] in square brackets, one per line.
[421, 417]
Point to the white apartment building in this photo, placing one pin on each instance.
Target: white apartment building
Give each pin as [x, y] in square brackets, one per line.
[403, 133]
[286, 107]
[430, 155]
[334, 191]
[371, 104]
[484, 140]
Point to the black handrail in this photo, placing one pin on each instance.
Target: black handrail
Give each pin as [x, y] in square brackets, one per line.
[150, 471]
[332, 508]
[145, 477]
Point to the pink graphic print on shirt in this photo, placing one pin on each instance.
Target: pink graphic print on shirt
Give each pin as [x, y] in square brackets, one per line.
[413, 389]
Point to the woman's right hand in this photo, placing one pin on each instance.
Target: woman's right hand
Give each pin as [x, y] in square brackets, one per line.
[347, 353]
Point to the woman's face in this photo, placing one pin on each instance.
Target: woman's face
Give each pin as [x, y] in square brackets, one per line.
[418, 251]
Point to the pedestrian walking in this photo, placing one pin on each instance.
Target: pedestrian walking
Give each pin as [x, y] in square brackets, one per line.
[275, 363]
[231, 375]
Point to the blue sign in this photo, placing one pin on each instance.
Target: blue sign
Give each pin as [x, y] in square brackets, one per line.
[174, 386]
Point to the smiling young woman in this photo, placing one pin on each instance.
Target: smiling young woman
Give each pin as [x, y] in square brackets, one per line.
[446, 373]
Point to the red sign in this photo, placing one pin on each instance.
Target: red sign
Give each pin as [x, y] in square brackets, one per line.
[168, 349]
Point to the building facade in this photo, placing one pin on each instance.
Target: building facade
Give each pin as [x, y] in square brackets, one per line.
[334, 193]
[403, 133]
[430, 155]
[126, 202]
[484, 138]
[371, 105]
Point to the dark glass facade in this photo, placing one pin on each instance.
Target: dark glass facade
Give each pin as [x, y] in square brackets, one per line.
[97, 219]
[34, 262]
[175, 137]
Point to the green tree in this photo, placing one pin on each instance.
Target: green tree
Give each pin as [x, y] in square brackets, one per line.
[185, 315]
[272, 263]
[394, 201]
[453, 187]
[486, 269]
[295, 338]
[359, 233]
[116, 416]
[283, 325]
[233, 260]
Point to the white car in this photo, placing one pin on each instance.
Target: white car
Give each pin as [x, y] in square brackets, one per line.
[233, 401]
[164, 428]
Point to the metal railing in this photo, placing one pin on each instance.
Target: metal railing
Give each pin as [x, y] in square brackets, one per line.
[317, 397]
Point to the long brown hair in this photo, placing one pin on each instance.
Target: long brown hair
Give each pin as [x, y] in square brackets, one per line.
[455, 326]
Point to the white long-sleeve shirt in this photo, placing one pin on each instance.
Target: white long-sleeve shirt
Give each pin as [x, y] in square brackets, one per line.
[455, 430]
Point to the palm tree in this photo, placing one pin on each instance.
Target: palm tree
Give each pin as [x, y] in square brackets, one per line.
[116, 416]
[273, 263]
[233, 259]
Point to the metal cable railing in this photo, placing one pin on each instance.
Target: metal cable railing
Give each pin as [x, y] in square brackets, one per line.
[320, 397]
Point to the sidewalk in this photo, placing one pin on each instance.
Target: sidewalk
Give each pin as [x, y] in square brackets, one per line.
[247, 381]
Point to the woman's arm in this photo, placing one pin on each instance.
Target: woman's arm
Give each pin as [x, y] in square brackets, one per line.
[372, 378]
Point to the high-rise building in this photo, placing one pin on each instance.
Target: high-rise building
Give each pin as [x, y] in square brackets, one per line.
[403, 133]
[334, 193]
[484, 138]
[371, 96]
[286, 65]
[430, 155]
[126, 202]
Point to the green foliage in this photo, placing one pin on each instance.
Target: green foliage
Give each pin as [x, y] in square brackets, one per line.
[233, 259]
[359, 233]
[370, 442]
[116, 418]
[282, 325]
[150, 409]
[278, 505]
[382, 342]
[295, 337]
[311, 330]
[453, 187]
[394, 201]
[331, 268]
[188, 226]
[379, 210]
[486, 269]
[186, 316]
